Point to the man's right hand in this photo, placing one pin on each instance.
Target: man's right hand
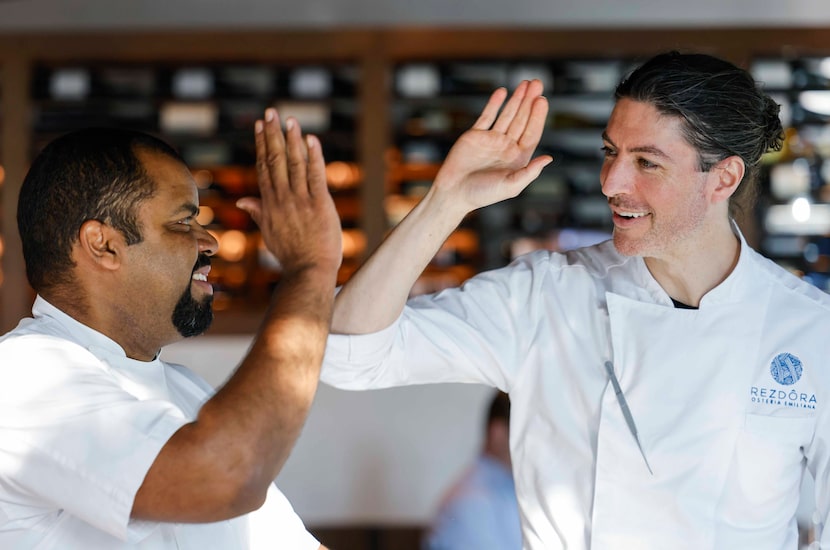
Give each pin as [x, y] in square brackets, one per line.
[489, 163]
[221, 465]
[492, 161]
[295, 213]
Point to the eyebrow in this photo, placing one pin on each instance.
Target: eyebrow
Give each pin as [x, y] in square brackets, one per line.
[650, 149]
[189, 207]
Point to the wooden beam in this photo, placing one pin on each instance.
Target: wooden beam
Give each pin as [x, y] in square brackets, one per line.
[373, 137]
[403, 43]
[202, 46]
[16, 140]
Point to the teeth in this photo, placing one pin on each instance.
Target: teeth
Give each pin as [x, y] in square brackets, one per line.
[631, 215]
[199, 277]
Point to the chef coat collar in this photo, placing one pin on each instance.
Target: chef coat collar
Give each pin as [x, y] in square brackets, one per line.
[732, 289]
[81, 334]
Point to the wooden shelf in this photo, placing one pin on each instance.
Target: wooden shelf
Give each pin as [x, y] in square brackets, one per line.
[374, 54]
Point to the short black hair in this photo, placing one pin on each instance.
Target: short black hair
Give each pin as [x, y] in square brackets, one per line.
[499, 408]
[89, 174]
[723, 109]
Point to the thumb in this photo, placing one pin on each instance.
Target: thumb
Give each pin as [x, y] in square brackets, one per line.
[525, 175]
[252, 206]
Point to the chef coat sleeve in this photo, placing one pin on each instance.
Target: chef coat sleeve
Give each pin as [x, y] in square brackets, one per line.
[71, 438]
[276, 525]
[477, 333]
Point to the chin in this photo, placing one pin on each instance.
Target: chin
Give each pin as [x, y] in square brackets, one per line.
[626, 245]
[193, 317]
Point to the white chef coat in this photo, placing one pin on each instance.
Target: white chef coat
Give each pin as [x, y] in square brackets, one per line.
[730, 401]
[80, 426]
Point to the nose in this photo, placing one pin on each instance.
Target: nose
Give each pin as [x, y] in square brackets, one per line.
[613, 178]
[208, 244]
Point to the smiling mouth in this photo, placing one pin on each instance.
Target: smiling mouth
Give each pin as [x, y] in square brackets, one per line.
[201, 269]
[199, 279]
[631, 215]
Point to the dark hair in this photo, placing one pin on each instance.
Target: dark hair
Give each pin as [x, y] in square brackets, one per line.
[723, 110]
[499, 408]
[91, 174]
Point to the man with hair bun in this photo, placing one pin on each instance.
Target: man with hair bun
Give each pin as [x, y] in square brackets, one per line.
[668, 386]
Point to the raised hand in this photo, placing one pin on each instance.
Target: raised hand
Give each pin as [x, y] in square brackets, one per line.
[492, 161]
[226, 460]
[295, 214]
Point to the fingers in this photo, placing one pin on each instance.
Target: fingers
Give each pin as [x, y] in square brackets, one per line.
[266, 158]
[523, 117]
[535, 124]
[519, 122]
[317, 183]
[491, 110]
[297, 175]
[274, 154]
[282, 158]
[282, 165]
[512, 107]
[252, 206]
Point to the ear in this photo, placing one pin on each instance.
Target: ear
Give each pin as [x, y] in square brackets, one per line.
[729, 172]
[100, 244]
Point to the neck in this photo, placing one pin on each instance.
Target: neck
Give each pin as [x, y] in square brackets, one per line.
[689, 273]
[114, 323]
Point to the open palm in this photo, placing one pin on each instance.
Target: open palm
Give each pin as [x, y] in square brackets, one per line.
[492, 161]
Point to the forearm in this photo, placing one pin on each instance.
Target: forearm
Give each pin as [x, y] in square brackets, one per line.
[489, 163]
[220, 465]
[375, 295]
[269, 395]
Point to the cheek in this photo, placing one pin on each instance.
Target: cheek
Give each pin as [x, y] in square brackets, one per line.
[174, 270]
[682, 211]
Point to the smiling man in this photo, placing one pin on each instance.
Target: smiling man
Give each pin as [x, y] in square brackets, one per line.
[103, 445]
[669, 386]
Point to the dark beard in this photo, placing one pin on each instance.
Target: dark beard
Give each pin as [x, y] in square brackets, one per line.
[190, 317]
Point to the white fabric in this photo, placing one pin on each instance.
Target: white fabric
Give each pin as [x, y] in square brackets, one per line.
[726, 441]
[80, 426]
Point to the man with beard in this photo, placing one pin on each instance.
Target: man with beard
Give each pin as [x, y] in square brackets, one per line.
[669, 387]
[103, 444]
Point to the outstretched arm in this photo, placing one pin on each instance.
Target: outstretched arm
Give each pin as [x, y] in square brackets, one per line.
[489, 163]
[221, 465]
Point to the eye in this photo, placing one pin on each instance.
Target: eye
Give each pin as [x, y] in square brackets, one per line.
[645, 163]
[608, 151]
[185, 223]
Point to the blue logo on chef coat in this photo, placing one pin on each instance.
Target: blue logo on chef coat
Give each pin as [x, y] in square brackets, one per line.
[786, 369]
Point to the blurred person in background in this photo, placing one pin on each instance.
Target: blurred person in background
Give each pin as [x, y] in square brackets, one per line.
[480, 510]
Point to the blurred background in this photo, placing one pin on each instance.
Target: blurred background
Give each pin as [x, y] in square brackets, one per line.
[388, 86]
